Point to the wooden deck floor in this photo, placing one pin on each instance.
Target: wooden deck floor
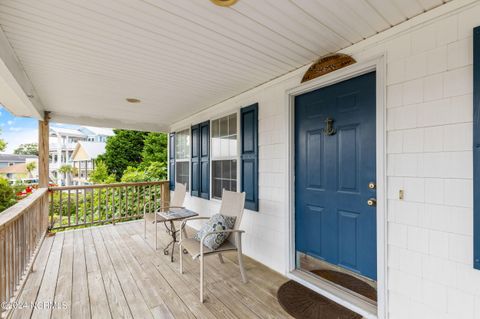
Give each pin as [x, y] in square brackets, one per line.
[112, 272]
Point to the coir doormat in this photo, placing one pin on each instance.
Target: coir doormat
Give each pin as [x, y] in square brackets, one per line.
[303, 303]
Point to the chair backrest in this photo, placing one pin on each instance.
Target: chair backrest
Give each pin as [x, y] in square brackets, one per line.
[232, 205]
[178, 195]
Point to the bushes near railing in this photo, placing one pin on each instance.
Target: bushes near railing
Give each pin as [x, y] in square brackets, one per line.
[22, 229]
[83, 206]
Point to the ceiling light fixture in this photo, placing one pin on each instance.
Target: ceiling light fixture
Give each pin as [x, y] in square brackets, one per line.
[224, 3]
[132, 100]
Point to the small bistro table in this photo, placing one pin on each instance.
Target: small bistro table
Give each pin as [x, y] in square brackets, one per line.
[169, 217]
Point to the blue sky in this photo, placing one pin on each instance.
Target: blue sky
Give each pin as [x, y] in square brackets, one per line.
[18, 130]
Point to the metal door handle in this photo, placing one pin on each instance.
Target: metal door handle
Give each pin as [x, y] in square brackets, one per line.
[372, 202]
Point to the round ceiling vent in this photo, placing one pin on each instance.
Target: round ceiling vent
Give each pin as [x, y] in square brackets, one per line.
[224, 3]
[132, 100]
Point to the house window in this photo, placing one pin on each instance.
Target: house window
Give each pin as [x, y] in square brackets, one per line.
[182, 157]
[224, 155]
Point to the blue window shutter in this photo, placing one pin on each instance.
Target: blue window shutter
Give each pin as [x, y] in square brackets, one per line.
[201, 160]
[476, 147]
[171, 160]
[249, 155]
[205, 160]
[195, 160]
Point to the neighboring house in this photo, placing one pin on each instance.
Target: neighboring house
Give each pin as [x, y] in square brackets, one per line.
[12, 159]
[14, 172]
[63, 142]
[96, 134]
[18, 171]
[84, 157]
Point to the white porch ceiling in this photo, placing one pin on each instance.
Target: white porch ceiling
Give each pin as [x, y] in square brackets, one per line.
[178, 56]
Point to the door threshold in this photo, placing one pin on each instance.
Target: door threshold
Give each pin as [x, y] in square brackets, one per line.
[331, 291]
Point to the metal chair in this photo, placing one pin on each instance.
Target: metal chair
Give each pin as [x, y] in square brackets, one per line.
[232, 205]
[177, 202]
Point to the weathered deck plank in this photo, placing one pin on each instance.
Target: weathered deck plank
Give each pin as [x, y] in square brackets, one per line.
[113, 272]
[116, 299]
[34, 282]
[80, 296]
[96, 289]
[46, 294]
[63, 293]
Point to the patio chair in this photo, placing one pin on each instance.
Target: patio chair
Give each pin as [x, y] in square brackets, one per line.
[178, 198]
[232, 205]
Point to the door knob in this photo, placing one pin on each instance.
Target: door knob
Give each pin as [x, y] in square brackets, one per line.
[372, 202]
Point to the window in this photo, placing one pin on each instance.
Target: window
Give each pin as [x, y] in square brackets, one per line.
[182, 157]
[224, 155]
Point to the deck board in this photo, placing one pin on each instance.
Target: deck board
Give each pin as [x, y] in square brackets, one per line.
[99, 306]
[46, 294]
[114, 272]
[80, 295]
[63, 293]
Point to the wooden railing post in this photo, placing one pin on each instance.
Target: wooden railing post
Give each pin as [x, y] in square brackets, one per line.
[165, 189]
[43, 150]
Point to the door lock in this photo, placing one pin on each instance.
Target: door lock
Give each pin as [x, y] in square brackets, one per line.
[372, 202]
[372, 185]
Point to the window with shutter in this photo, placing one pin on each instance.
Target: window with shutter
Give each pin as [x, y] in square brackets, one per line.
[249, 155]
[200, 160]
[171, 160]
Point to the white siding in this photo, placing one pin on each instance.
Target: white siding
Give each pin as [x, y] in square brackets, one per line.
[429, 156]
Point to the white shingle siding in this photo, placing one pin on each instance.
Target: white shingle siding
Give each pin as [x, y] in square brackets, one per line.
[429, 156]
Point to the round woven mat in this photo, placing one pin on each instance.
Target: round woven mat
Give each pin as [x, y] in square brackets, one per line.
[349, 282]
[303, 303]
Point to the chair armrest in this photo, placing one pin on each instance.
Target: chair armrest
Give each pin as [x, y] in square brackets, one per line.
[165, 207]
[186, 220]
[149, 204]
[184, 223]
[237, 232]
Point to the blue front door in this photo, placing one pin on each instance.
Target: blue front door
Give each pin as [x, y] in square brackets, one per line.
[335, 174]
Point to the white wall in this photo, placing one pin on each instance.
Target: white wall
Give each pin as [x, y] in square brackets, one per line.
[429, 156]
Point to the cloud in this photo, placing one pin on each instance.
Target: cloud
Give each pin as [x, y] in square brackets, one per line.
[9, 122]
[15, 129]
[15, 138]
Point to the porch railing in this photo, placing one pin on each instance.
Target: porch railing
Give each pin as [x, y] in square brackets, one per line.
[83, 206]
[22, 230]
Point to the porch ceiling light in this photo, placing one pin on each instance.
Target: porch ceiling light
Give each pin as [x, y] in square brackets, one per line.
[132, 100]
[224, 3]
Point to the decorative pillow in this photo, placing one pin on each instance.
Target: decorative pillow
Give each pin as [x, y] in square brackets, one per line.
[216, 223]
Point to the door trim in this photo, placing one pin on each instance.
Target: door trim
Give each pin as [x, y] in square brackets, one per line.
[378, 64]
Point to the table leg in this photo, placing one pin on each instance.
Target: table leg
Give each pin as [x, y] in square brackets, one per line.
[174, 237]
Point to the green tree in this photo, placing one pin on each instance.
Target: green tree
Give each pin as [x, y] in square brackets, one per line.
[155, 148]
[124, 149]
[31, 167]
[27, 149]
[3, 144]
[133, 175]
[155, 171]
[100, 174]
[7, 195]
